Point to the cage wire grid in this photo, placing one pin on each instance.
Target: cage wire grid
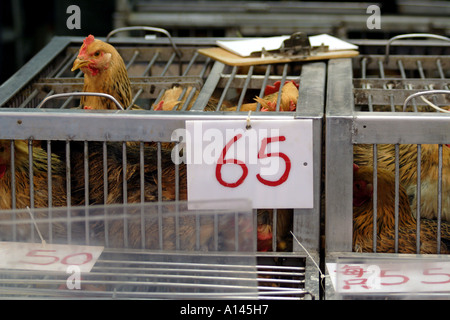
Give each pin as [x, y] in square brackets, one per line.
[127, 270]
[155, 68]
[376, 117]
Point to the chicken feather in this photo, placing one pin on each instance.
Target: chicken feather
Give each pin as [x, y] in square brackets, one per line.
[289, 97]
[23, 190]
[187, 225]
[363, 155]
[22, 177]
[363, 217]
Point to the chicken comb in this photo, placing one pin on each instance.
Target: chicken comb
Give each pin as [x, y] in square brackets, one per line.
[272, 89]
[86, 42]
[89, 39]
[276, 87]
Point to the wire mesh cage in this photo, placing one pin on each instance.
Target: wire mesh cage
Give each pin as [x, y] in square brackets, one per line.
[387, 152]
[129, 251]
[151, 69]
[100, 157]
[144, 251]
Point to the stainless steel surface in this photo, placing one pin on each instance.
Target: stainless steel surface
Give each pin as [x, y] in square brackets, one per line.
[339, 157]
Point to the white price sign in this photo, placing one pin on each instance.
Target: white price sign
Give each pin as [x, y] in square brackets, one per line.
[47, 257]
[270, 163]
[399, 277]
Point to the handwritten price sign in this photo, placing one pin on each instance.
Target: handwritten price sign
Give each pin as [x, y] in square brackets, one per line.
[399, 277]
[48, 257]
[270, 163]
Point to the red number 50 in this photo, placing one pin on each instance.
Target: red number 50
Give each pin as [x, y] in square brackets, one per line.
[261, 155]
[53, 259]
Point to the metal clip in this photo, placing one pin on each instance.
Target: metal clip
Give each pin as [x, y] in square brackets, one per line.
[297, 45]
[248, 126]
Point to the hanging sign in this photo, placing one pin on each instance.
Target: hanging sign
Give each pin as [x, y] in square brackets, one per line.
[268, 161]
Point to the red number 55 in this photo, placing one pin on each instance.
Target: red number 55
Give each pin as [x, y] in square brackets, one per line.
[261, 155]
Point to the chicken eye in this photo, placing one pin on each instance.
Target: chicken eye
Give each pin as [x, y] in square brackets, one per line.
[97, 53]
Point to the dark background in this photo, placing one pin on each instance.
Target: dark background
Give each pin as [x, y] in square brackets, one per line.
[26, 26]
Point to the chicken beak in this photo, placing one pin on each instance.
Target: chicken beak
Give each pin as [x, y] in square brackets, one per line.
[79, 63]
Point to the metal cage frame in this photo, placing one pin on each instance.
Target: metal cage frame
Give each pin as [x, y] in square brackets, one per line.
[347, 125]
[226, 268]
[146, 125]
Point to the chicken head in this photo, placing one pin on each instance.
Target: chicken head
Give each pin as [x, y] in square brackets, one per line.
[94, 56]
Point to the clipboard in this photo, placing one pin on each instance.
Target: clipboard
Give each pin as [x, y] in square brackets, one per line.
[282, 49]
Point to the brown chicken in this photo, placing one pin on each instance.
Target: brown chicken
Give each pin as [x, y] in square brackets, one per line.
[22, 177]
[363, 155]
[104, 72]
[116, 170]
[192, 233]
[363, 217]
[115, 193]
[171, 100]
[22, 183]
[289, 97]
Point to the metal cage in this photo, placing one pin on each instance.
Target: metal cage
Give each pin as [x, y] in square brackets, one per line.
[376, 119]
[141, 251]
[32, 110]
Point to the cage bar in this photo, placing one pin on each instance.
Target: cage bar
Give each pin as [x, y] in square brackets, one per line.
[76, 135]
[374, 105]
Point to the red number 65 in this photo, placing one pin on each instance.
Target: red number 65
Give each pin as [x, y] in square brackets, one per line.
[261, 155]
